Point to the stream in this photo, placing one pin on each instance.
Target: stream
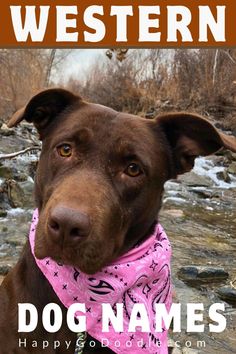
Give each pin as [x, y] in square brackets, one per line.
[198, 214]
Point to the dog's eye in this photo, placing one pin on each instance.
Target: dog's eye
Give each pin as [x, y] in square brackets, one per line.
[133, 170]
[64, 150]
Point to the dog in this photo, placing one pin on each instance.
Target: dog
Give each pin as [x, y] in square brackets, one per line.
[98, 192]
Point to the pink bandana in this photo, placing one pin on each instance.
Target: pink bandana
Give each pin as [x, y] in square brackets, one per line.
[140, 276]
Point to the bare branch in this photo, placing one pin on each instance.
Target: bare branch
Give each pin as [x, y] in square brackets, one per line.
[215, 66]
[17, 153]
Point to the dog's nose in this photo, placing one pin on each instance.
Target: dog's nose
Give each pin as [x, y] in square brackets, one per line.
[68, 223]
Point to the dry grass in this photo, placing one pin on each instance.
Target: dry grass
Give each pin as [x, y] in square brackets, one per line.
[162, 80]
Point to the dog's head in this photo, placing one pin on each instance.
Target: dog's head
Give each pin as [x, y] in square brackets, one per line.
[101, 174]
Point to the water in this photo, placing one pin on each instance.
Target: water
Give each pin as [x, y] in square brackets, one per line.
[206, 167]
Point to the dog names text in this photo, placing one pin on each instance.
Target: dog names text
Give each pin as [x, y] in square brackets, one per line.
[28, 318]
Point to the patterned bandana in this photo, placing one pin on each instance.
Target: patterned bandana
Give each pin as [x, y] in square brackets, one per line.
[140, 276]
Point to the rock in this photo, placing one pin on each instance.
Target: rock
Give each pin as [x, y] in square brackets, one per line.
[4, 269]
[192, 179]
[175, 213]
[202, 193]
[4, 202]
[231, 156]
[4, 126]
[32, 168]
[5, 131]
[227, 294]
[15, 194]
[201, 274]
[28, 187]
[232, 168]
[21, 177]
[6, 172]
[223, 176]
[189, 351]
[188, 273]
[176, 351]
[212, 273]
[3, 213]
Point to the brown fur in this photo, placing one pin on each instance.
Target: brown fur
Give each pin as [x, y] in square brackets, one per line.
[106, 211]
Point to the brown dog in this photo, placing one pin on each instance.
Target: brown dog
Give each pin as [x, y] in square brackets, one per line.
[98, 189]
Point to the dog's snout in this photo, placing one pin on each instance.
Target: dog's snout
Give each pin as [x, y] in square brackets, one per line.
[68, 223]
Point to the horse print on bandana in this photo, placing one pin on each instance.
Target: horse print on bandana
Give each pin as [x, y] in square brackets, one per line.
[140, 276]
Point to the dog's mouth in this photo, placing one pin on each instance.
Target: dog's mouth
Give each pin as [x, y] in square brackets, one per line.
[90, 256]
[85, 240]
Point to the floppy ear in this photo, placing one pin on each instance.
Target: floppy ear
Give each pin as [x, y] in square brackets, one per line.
[43, 108]
[190, 136]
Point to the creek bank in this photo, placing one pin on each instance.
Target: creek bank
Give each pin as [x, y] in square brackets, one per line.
[227, 294]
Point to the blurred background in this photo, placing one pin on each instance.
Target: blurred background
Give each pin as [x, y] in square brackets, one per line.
[142, 81]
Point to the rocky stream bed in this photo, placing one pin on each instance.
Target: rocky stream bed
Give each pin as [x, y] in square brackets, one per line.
[199, 215]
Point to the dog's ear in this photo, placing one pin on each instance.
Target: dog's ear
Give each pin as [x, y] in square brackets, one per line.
[190, 136]
[43, 108]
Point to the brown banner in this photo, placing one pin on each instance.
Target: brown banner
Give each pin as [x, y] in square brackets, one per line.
[144, 23]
